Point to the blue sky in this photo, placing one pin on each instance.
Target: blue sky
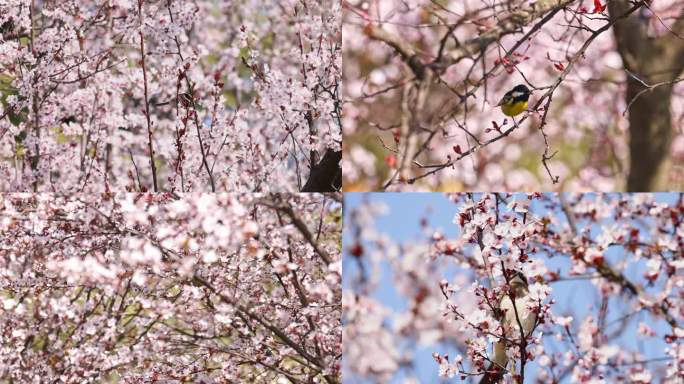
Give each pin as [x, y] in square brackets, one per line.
[402, 225]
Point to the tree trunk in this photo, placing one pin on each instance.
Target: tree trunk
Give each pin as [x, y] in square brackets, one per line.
[326, 176]
[651, 65]
[650, 130]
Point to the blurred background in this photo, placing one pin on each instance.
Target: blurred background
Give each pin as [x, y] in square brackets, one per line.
[422, 78]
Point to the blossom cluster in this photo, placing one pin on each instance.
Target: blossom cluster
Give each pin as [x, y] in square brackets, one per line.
[197, 287]
[604, 284]
[139, 95]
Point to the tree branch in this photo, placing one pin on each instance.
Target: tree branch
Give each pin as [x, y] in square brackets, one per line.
[147, 102]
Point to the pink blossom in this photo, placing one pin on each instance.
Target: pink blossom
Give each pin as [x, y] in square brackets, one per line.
[97, 291]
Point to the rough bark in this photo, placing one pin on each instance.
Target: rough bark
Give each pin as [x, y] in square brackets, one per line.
[326, 176]
[653, 63]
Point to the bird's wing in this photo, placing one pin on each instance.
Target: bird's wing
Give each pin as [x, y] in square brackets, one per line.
[510, 322]
[500, 357]
[496, 369]
[505, 99]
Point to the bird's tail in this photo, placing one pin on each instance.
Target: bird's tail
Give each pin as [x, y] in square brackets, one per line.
[493, 375]
[495, 371]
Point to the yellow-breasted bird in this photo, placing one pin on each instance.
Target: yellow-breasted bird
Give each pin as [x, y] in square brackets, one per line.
[514, 101]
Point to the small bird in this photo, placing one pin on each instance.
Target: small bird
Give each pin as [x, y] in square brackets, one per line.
[514, 101]
[509, 322]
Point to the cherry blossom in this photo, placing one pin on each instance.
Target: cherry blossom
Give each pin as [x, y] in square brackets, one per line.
[119, 287]
[422, 80]
[433, 283]
[178, 96]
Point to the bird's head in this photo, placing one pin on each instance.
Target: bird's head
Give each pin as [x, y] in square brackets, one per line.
[521, 89]
[518, 283]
